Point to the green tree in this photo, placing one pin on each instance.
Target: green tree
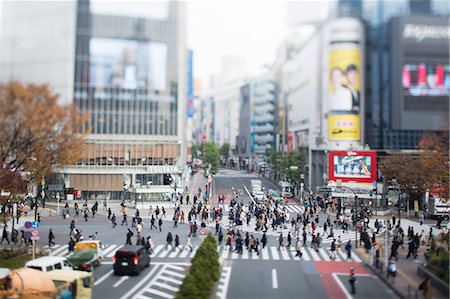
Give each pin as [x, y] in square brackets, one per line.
[211, 157]
[225, 150]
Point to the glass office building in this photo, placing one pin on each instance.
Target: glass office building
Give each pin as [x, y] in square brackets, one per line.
[124, 64]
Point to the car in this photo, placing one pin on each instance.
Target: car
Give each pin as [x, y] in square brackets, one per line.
[84, 260]
[49, 263]
[275, 195]
[259, 196]
[130, 259]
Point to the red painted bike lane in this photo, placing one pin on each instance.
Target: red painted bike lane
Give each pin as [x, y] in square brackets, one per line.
[326, 269]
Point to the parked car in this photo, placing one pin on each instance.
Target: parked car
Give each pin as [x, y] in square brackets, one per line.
[49, 263]
[130, 259]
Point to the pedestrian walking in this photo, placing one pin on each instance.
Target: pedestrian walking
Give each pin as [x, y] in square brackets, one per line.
[333, 250]
[86, 216]
[152, 223]
[113, 220]
[189, 244]
[109, 213]
[264, 240]
[298, 248]
[149, 245]
[177, 242]
[71, 245]
[124, 218]
[169, 240]
[5, 236]
[23, 239]
[289, 240]
[352, 280]
[160, 224]
[348, 249]
[280, 241]
[129, 235]
[163, 212]
[51, 237]
[220, 237]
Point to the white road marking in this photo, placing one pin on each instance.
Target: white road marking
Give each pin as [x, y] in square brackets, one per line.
[119, 282]
[111, 248]
[274, 252]
[284, 253]
[265, 253]
[101, 279]
[324, 254]
[226, 274]
[112, 253]
[159, 293]
[137, 286]
[274, 279]
[344, 289]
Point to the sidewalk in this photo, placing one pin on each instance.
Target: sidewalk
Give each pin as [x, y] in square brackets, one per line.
[408, 279]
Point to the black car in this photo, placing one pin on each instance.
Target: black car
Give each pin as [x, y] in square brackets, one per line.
[130, 260]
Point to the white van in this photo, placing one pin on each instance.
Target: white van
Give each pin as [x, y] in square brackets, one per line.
[49, 263]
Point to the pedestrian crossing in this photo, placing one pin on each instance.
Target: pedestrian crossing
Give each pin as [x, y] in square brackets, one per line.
[109, 251]
[165, 285]
[289, 208]
[286, 254]
[267, 253]
[235, 175]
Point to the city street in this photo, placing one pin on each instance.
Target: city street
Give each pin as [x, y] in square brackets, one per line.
[274, 273]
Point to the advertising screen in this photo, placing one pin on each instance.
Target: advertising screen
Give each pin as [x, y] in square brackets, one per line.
[127, 64]
[426, 79]
[352, 166]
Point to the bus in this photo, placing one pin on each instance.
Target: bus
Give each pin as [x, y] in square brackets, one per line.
[286, 189]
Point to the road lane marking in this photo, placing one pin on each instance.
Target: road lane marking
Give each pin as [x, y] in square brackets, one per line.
[158, 293]
[101, 279]
[244, 254]
[225, 278]
[166, 286]
[156, 250]
[140, 283]
[194, 251]
[59, 251]
[356, 258]
[274, 279]
[225, 252]
[185, 252]
[344, 289]
[314, 254]
[119, 282]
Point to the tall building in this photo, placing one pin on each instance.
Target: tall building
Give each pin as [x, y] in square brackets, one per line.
[373, 76]
[124, 64]
[257, 120]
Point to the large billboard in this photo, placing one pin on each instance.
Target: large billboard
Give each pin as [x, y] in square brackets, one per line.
[127, 64]
[344, 81]
[353, 166]
[420, 72]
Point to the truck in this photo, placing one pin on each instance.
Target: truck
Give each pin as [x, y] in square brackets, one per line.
[26, 283]
[88, 254]
[256, 186]
[438, 207]
[72, 283]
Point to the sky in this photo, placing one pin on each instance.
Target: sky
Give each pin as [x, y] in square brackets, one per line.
[253, 29]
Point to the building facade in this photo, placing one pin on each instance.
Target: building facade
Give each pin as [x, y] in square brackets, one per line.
[257, 120]
[124, 65]
[373, 76]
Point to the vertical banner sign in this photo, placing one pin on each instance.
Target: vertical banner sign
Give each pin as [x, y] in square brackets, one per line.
[344, 84]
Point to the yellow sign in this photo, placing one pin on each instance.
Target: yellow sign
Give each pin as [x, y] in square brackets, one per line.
[344, 127]
[85, 245]
[344, 97]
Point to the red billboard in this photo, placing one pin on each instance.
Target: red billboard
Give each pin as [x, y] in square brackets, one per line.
[353, 166]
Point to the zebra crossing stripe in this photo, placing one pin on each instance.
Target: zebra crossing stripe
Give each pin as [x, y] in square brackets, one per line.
[110, 249]
[194, 251]
[245, 254]
[174, 253]
[265, 253]
[274, 252]
[165, 286]
[165, 252]
[60, 251]
[175, 268]
[234, 255]
[284, 254]
[225, 252]
[356, 258]
[112, 253]
[158, 293]
[305, 255]
[175, 274]
[324, 254]
[157, 249]
[185, 252]
[313, 254]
